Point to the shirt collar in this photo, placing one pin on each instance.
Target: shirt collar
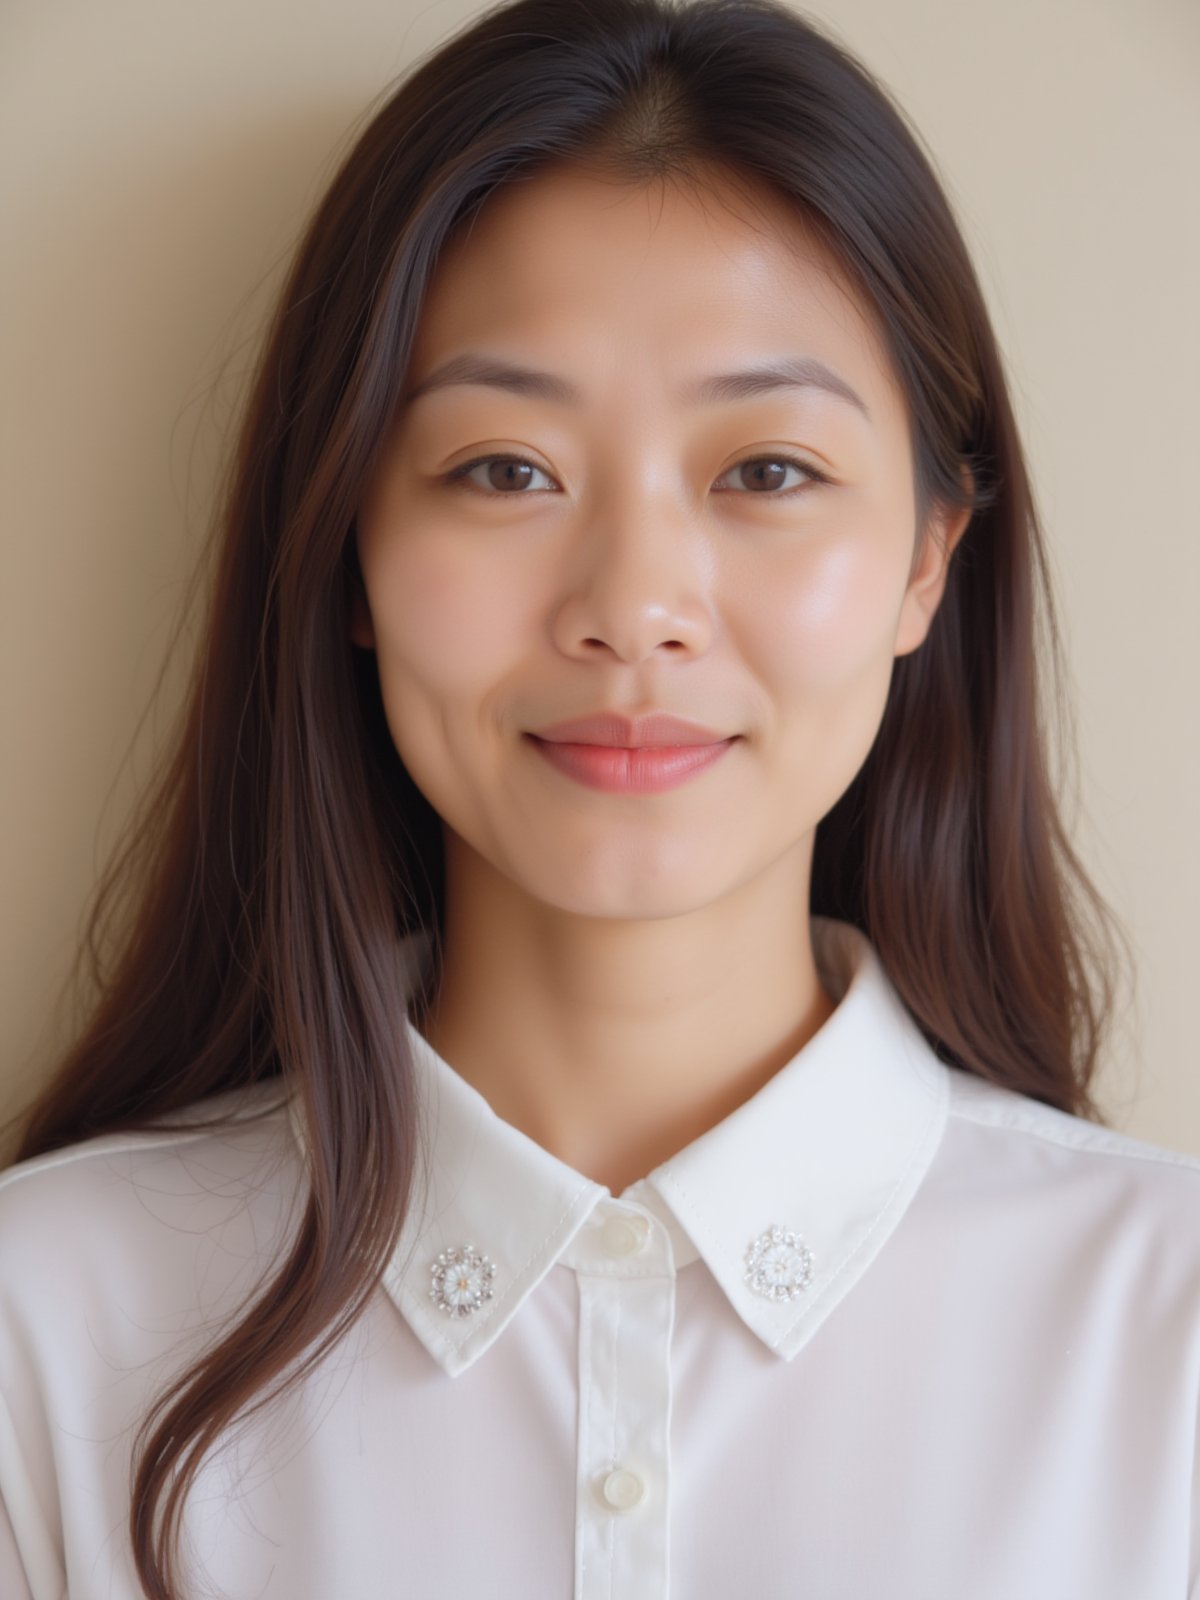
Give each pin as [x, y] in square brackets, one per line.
[833, 1148]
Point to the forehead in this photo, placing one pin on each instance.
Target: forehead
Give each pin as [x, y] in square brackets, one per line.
[592, 272]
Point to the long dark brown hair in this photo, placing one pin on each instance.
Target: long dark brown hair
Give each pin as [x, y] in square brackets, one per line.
[246, 931]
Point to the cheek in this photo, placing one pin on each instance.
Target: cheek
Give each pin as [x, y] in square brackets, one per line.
[443, 622]
[831, 623]
[824, 652]
[443, 644]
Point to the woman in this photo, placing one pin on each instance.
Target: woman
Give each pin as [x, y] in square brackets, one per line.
[594, 1098]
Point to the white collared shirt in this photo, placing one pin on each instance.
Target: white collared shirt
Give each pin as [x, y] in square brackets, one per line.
[884, 1330]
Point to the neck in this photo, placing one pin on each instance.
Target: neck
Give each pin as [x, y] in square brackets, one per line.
[614, 1043]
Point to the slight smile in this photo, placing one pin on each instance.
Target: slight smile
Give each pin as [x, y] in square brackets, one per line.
[642, 769]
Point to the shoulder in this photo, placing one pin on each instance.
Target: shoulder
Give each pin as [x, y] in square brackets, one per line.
[987, 1105]
[233, 1128]
[121, 1257]
[122, 1204]
[1079, 1215]
[1010, 1145]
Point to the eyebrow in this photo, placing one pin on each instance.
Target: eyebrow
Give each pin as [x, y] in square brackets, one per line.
[791, 372]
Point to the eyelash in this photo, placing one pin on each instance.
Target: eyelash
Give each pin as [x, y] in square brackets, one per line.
[459, 473]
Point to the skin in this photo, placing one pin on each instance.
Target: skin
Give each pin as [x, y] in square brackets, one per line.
[622, 971]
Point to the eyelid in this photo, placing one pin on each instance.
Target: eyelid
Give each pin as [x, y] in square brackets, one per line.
[458, 474]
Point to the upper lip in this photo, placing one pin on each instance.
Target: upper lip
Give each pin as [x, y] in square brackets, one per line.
[613, 728]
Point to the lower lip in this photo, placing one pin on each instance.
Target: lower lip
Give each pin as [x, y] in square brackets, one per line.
[648, 770]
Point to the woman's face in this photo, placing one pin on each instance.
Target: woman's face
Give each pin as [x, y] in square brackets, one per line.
[739, 557]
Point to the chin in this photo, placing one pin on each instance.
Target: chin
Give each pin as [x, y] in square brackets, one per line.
[628, 891]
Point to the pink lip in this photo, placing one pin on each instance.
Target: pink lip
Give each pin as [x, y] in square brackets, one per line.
[621, 770]
[654, 728]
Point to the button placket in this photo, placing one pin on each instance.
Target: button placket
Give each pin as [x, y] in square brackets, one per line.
[626, 1314]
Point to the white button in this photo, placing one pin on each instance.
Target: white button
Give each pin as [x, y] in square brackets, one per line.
[622, 1236]
[622, 1489]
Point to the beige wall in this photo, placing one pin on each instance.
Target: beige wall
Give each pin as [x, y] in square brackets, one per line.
[156, 160]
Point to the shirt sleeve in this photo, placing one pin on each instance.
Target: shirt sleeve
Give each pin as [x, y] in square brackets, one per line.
[29, 1565]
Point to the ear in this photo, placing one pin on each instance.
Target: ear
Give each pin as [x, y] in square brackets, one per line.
[362, 631]
[927, 584]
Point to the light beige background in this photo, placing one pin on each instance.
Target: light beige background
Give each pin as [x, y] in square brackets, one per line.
[157, 158]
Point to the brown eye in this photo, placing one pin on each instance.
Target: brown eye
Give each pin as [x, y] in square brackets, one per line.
[501, 474]
[768, 474]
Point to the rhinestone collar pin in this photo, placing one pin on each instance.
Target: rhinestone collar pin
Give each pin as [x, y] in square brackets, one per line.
[462, 1280]
[779, 1264]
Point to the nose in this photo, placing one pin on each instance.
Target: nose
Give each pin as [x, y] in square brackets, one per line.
[638, 581]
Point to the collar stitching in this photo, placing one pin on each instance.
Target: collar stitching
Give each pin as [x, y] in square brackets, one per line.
[921, 1145]
[920, 1149]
